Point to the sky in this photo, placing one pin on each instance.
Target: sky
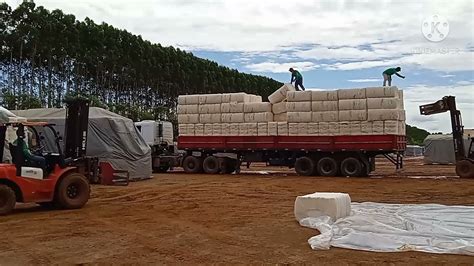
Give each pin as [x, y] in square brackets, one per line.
[335, 44]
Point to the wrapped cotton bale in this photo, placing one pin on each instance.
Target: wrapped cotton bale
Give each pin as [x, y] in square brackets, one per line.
[293, 129]
[381, 92]
[232, 118]
[188, 119]
[210, 108]
[258, 117]
[313, 129]
[324, 128]
[198, 129]
[188, 109]
[257, 107]
[243, 129]
[225, 129]
[351, 94]
[402, 115]
[377, 127]
[354, 115]
[233, 107]
[280, 94]
[283, 117]
[390, 127]
[322, 106]
[400, 96]
[353, 104]
[217, 129]
[208, 129]
[298, 106]
[384, 103]
[303, 129]
[239, 97]
[355, 128]
[183, 129]
[255, 98]
[328, 116]
[262, 129]
[384, 114]
[334, 205]
[345, 128]
[252, 129]
[324, 95]
[188, 99]
[190, 129]
[273, 128]
[299, 117]
[282, 128]
[209, 118]
[235, 129]
[299, 96]
[402, 128]
[366, 127]
[210, 98]
[333, 129]
[279, 108]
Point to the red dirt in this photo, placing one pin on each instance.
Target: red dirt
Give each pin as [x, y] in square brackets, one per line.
[206, 219]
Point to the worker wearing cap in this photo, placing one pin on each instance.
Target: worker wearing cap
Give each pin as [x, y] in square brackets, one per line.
[387, 75]
[20, 142]
[297, 78]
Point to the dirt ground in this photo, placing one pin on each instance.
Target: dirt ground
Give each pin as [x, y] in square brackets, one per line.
[226, 219]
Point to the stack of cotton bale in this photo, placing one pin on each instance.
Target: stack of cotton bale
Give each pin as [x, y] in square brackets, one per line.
[278, 100]
[385, 110]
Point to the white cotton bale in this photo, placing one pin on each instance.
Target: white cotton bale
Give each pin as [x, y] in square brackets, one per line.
[183, 129]
[252, 129]
[384, 114]
[351, 94]
[198, 129]
[328, 116]
[400, 96]
[322, 106]
[240, 97]
[299, 96]
[280, 94]
[366, 127]
[283, 117]
[402, 128]
[209, 118]
[333, 128]
[232, 107]
[324, 95]
[210, 108]
[282, 128]
[298, 106]
[188, 109]
[345, 128]
[381, 92]
[313, 129]
[353, 104]
[279, 108]
[210, 98]
[377, 127]
[188, 119]
[293, 129]
[232, 117]
[384, 103]
[208, 129]
[402, 115]
[235, 129]
[225, 129]
[353, 115]
[217, 129]
[255, 98]
[355, 128]
[188, 99]
[190, 129]
[273, 128]
[257, 107]
[324, 128]
[258, 117]
[303, 129]
[299, 117]
[262, 129]
[390, 127]
[334, 205]
[243, 129]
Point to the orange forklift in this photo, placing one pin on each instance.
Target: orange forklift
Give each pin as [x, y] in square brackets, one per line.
[62, 180]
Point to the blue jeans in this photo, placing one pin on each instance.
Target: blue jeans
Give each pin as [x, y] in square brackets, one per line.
[38, 160]
[299, 82]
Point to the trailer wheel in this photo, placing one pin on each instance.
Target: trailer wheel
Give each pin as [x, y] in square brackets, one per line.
[351, 167]
[304, 166]
[211, 165]
[7, 199]
[465, 169]
[327, 166]
[73, 192]
[227, 165]
[161, 169]
[192, 165]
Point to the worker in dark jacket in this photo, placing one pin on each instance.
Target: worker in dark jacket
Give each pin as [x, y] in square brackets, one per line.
[20, 143]
[297, 78]
[387, 75]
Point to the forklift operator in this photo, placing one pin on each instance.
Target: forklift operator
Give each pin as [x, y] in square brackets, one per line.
[20, 143]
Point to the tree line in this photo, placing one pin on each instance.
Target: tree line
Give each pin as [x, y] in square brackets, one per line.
[47, 56]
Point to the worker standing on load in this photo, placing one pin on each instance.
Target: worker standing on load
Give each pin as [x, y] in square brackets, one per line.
[297, 78]
[387, 75]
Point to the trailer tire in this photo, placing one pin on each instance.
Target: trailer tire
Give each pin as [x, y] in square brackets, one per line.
[465, 169]
[351, 167]
[7, 199]
[227, 165]
[211, 165]
[304, 166]
[192, 165]
[327, 166]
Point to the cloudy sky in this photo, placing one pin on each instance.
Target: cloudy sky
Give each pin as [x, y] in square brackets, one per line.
[335, 44]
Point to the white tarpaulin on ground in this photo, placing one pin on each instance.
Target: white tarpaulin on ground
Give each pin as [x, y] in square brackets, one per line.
[397, 227]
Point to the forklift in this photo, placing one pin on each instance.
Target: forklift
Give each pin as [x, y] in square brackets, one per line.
[464, 162]
[63, 181]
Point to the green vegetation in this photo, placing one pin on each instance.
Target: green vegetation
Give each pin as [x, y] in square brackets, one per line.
[415, 136]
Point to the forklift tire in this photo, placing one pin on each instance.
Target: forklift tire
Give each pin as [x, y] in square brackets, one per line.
[7, 199]
[73, 192]
[192, 165]
[465, 169]
[211, 165]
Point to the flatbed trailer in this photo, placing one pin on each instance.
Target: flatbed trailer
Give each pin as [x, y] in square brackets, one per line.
[351, 155]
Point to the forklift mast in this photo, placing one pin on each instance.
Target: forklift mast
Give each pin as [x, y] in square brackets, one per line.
[448, 103]
[77, 123]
